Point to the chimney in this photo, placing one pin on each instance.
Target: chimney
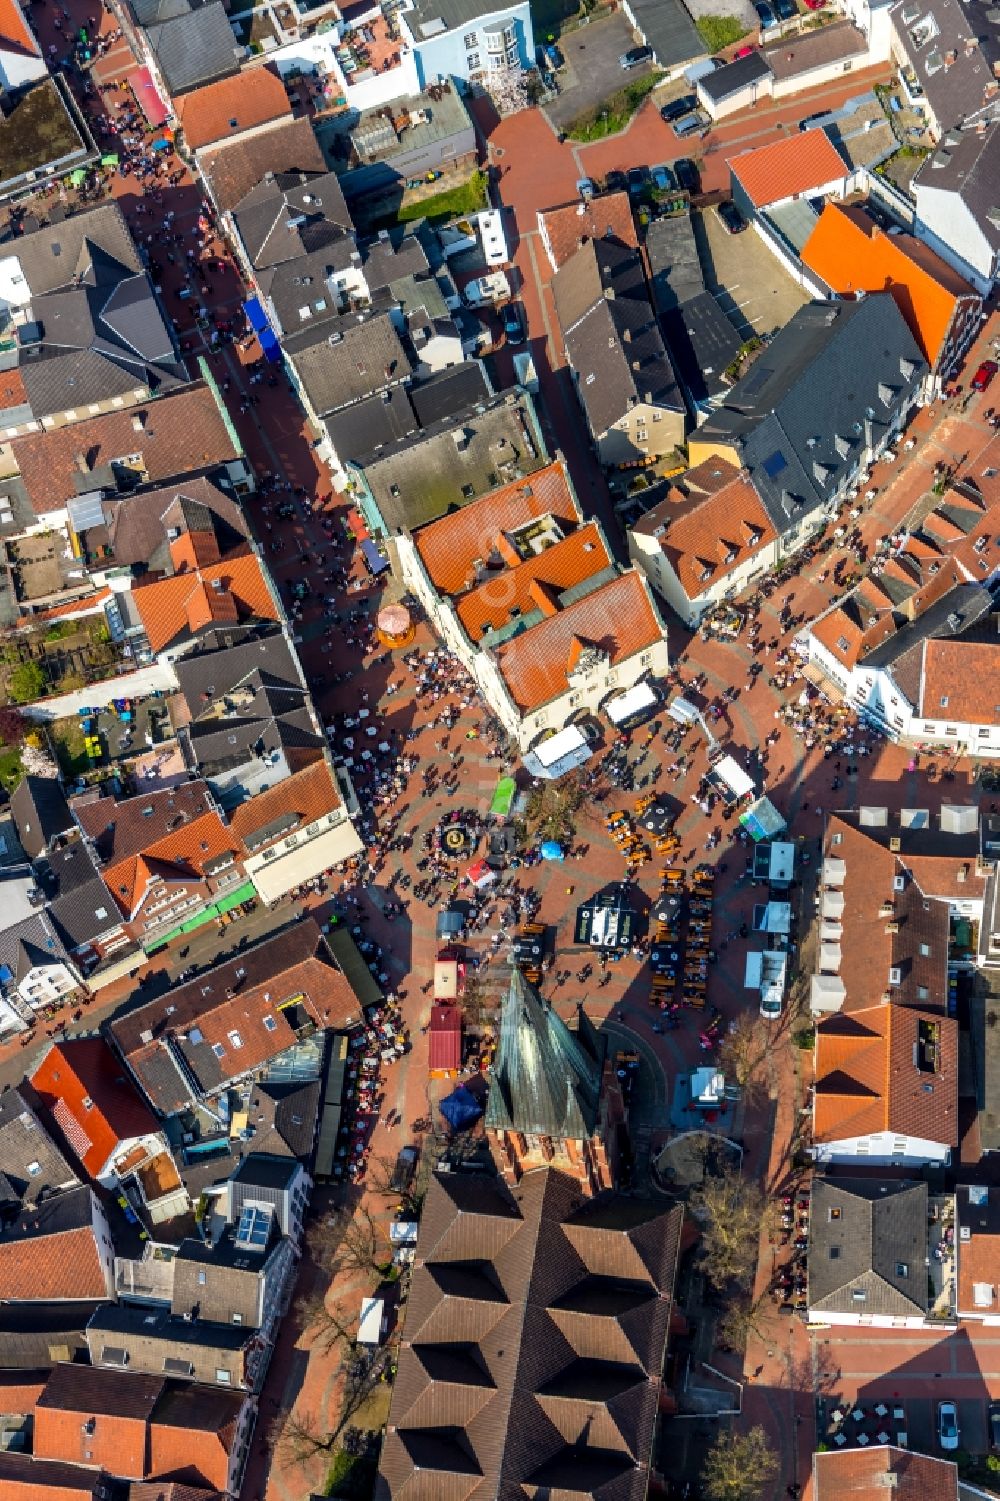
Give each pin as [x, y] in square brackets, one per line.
[80, 460]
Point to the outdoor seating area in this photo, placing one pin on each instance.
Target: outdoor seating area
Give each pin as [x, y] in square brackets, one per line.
[681, 949]
[859, 1426]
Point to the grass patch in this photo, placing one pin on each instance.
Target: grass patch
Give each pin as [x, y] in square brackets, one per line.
[614, 114]
[352, 1476]
[11, 770]
[467, 198]
[68, 744]
[720, 31]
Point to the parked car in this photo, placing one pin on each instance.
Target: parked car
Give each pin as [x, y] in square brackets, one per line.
[637, 178]
[984, 375]
[746, 51]
[635, 57]
[810, 120]
[730, 217]
[948, 1434]
[664, 180]
[784, 9]
[678, 107]
[687, 126]
[513, 323]
[994, 1421]
[765, 15]
[687, 175]
[586, 189]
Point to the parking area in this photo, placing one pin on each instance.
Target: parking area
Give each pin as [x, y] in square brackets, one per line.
[592, 72]
[750, 283]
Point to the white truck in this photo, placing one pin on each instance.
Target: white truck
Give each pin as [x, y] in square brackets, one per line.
[488, 291]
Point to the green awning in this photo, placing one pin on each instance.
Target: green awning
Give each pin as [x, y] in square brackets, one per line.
[503, 798]
[78, 177]
[245, 893]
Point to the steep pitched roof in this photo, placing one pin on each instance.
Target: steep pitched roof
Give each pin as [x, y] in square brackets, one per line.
[528, 591]
[185, 603]
[223, 110]
[90, 1097]
[708, 536]
[30, 1161]
[798, 164]
[608, 217]
[533, 1327]
[24, 1478]
[959, 681]
[546, 1079]
[50, 1253]
[619, 619]
[41, 813]
[867, 1079]
[868, 1247]
[294, 803]
[852, 254]
[872, 1474]
[233, 168]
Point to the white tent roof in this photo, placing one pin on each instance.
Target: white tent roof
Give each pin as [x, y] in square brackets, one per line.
[632, 702]
[834, 871]
[830, 957]
[370, 1327]
[827, 993]
[733, 775]
[833, 904]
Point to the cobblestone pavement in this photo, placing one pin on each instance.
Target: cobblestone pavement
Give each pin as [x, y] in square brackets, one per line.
[536, 173]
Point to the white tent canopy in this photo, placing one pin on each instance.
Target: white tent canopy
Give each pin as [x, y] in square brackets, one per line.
[734, 776]
[635, 701]
[827, 993]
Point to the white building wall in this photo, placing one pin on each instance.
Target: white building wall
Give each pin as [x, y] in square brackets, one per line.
[882, 1149]
[944, 223]
[869, 1321]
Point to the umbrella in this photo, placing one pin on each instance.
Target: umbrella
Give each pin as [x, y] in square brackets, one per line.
[550, 850]
[78, 177]
[394, 620]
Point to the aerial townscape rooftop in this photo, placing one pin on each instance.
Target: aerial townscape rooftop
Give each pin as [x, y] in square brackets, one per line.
[499, 750]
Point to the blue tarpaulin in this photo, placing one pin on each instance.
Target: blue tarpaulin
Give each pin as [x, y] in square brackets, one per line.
[257, 318]
[461, 1108]
[376, 562]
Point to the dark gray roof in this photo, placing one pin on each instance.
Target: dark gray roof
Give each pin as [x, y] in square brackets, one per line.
[358, 432]
[703, 341]
[137, 532]
[666, 27]
[389, 258]
[195, 47]
[986, 1050]
[22, 1470]
[282, 1117]
[41, 813]
[611, 334]
[337, 366]
[954, 614]
[290, 214]
[54, 255]
[674, 263]
[128, 1322]
[546, 1079]
[82, 908]
[431, 17]
[968, 164]
[24, 1141]
[261, 1170]
[828, 385]
[954, 77]
[33, 1336]
[734, 76]
[449, 392]
[296, 287]
[868, 1236]
[215, 669]
[31, 942]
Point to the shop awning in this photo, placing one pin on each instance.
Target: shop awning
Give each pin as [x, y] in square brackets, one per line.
[762, 820]
[445, 980]
[375, 562]
[258, 321]
[141, 83]
[559, 754]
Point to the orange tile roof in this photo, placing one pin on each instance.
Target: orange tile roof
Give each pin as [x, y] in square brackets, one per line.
[12, 392]
[866, 1081]
[712, 535]
[183, 601]
[449, 546]
[849, 251]
[15, 31]
[534, 583]
[223, 110]
[606, 218]
[180, 855]
[967, 675]
[800, 163]
[51, 1268]
[74, 606]
[182, 434]
[308, 794]
[85, 1069]
[875, 1473]
[618, 618]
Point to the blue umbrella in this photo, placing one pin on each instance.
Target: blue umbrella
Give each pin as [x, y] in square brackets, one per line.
[551, 850]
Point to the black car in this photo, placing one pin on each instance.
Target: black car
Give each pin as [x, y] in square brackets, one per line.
[687, 175]
[615, 182]
[513, 323]
[784, 9]
[732, 220]
[994, 1416]
[765, 15]
[637, 178]
[678, 107]
[635, 57]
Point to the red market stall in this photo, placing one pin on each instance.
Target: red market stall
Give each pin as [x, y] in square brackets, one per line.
[445, 1041]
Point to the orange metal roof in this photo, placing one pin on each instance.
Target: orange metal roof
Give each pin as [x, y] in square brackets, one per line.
[168, 606]
[800, 163]
[220, 111]
[617, 618]
[849, 251]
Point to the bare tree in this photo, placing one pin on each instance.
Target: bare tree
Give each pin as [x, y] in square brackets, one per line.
[552, 808]
[744, 1053]
[349, 1243]
[741, 1317]
[738, 1467]
[327, 1324]
[732, 1212]
[296, 1437]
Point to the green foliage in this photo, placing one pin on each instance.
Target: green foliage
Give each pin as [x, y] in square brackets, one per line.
[804, 1039]
[718, 32]
[614, 114]
[59, 630]
[26, 683]
[467, 198]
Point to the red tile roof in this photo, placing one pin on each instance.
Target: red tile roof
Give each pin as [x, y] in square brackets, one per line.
[449, 547]
[960, 682]
[235, 167]
[223, 110]
[85, 1069]
[181, 434]
[24, 1478]
[187, 602]
[308, 794]
[800, 163]
[445, 1038]
[186, 852]
[87, 605]
[15, 33]
[606, 218]
[707, 538]
[866, 1081]
[534, 584]
[50, 1255]
[849, 251]
[875, 1473]
[619, 619]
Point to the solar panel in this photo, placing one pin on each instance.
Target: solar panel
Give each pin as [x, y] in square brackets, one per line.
[253, 1228]
[775, 463]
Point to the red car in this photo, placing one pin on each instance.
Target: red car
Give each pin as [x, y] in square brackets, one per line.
[814, 4]
[984, 375]
[743, 52]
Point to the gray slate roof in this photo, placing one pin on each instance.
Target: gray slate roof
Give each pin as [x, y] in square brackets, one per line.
[358, 432]
[283, 1118]
[52, 256]
[546, 1079]
[968, 164]
[361, 355]
[194, 46]
[29, 943]
[735, 76]
[667, 27]
[674, 263]
[82, 908]
[868, 1235]
[933, 35]
[613, 342]
[24, 1141]
[290, 214]
[41, 813]
[811, 401]
[703, 341]
[215, 669]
